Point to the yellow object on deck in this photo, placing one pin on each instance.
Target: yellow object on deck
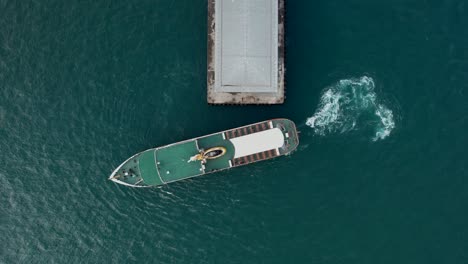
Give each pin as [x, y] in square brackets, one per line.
[217, 152]
[212, 153]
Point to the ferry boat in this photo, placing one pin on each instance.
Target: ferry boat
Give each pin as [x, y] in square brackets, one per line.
[208, 154]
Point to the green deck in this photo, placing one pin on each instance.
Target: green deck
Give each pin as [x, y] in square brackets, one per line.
[147, 168]
[217, 140]
[172, 161]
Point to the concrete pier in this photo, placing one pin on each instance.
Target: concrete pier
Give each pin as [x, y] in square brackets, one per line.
[245, 52]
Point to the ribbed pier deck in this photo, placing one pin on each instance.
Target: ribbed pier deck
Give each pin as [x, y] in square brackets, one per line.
[245, 52]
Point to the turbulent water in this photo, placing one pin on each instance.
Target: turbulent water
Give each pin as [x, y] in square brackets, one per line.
[381, 177]
[352, 104]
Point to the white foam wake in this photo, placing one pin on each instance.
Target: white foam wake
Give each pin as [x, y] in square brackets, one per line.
[352, 104]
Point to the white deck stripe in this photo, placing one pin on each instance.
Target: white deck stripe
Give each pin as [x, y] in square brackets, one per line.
[156, 164]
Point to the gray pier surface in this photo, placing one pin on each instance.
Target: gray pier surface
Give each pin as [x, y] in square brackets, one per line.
[245, 52]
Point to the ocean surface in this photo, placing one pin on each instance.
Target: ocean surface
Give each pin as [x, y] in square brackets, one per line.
[378, 89]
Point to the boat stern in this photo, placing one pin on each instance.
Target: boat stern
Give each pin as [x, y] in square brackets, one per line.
[291, 136]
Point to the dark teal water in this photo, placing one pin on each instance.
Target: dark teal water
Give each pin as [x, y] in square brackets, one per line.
[380, 178]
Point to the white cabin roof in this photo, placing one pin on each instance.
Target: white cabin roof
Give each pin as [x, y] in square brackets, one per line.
[258, 142]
